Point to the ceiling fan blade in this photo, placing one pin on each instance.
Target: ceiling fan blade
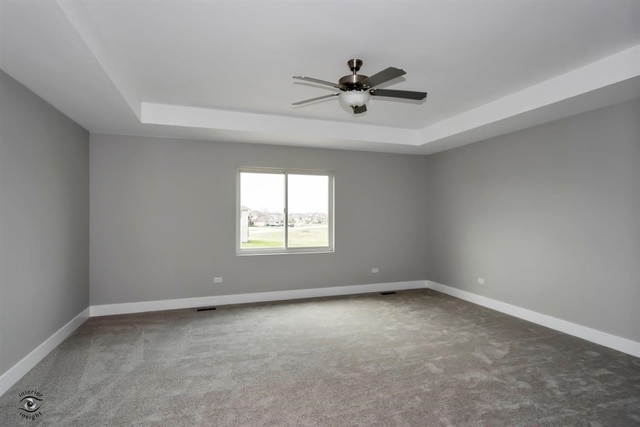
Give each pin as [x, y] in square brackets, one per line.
[322, 82]
[318, 98]
[359, 110]
[406, 94]
[383, 76]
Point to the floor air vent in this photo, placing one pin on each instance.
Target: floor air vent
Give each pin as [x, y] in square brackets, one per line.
[206, 308]
[387, 293]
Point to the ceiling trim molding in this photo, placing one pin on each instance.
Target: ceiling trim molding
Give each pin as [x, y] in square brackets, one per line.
[528, 107]
[607, 72]
[176, 115]
[76, 14]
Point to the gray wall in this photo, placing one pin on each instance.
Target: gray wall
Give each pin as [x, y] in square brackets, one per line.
[163, 220]
[549, 216]
[44, 221]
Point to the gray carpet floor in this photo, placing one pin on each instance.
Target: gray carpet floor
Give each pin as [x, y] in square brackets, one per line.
[411, 358]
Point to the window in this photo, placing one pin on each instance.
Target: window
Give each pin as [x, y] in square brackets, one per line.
[284, 211]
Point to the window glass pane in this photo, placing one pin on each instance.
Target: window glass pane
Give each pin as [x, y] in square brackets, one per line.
[262, 211]
[308, 217]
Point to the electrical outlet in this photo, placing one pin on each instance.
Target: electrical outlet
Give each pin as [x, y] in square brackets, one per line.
[480, 281]
[217, 280]
[375, 270]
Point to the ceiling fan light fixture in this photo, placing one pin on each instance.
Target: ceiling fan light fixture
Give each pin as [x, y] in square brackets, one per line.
[354, 98]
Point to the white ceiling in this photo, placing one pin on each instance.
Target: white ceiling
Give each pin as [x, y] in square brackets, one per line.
[221, 69]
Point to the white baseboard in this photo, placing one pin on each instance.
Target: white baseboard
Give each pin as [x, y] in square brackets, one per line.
[608, 340]
[9, 378]
[139, 307]
[17, 371]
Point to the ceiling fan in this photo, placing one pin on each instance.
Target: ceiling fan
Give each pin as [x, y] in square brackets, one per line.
[355, 89]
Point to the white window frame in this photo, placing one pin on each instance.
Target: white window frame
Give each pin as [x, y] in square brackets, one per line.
[285, 250]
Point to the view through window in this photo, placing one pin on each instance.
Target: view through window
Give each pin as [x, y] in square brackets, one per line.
[282, 211]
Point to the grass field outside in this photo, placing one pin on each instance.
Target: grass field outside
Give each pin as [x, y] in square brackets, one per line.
[299, 237]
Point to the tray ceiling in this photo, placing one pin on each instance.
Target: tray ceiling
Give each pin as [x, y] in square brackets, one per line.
[221, 70]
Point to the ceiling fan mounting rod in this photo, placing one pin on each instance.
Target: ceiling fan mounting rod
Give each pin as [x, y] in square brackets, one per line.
[352, 81]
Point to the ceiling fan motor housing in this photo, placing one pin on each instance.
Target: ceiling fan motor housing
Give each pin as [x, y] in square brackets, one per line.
[352, 82]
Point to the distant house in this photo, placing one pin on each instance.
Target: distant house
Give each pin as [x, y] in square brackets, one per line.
[264, 219]
[261, 220]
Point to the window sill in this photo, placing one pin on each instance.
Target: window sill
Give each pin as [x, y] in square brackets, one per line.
[285, 252]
